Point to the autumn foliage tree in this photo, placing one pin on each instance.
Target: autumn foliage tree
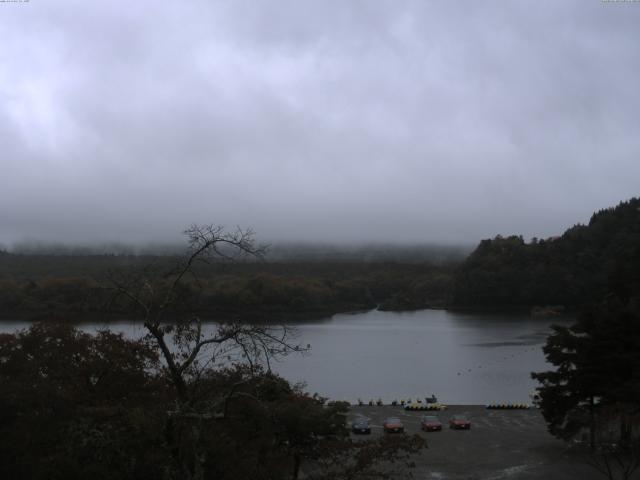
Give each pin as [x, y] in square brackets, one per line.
[74, 405]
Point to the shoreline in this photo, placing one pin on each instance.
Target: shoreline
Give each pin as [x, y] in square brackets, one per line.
[273, 317]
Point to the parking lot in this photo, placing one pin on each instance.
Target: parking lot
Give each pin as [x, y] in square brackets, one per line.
[502, 444]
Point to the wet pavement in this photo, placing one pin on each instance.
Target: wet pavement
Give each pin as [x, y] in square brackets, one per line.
[501, 444]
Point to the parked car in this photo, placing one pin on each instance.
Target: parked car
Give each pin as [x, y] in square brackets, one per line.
[460, 422]
[430, 423]
[393, 425]
[361, 425]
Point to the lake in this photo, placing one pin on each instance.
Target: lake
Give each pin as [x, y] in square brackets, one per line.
[462, 358]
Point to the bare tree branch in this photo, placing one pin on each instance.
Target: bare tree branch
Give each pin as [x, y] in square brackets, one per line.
[155, 294]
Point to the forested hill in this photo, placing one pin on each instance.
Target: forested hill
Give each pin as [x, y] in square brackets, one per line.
[582, 265]
[79, 286]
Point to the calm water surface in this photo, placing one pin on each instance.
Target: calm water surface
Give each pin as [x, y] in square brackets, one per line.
[459, 357]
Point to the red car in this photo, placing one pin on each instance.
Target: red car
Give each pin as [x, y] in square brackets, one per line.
[430, 423]
[460, 422]
[393, 425]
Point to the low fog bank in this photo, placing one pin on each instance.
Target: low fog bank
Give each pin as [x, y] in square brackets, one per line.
[276, 252]
[377, 252]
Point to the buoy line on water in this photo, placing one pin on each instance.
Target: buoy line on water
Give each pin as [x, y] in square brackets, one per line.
[508, 406]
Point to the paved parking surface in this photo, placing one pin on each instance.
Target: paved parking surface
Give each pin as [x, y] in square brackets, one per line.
[502, 444]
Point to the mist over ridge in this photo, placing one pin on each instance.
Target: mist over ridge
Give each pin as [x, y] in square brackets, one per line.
[276, 252]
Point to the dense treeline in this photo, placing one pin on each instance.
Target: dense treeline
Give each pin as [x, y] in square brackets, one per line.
[75, 286]
[506, 271]
[581, 265]
[77, 406]
[592, 398]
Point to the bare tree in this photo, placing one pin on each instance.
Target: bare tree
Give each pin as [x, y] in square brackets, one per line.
[187, 347]
[193, 352]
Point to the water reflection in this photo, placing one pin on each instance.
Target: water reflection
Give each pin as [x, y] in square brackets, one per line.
[460, 357]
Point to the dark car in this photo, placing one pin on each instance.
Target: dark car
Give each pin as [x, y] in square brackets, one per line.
[460, 422]
[430, 423]
[393, 425]
[361, 425]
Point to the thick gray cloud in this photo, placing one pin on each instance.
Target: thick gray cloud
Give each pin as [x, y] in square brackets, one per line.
[326, 121]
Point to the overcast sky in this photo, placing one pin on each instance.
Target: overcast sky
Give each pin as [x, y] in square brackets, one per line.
[374, 121]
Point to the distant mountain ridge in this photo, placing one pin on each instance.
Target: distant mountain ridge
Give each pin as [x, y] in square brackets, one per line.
[582, 265]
